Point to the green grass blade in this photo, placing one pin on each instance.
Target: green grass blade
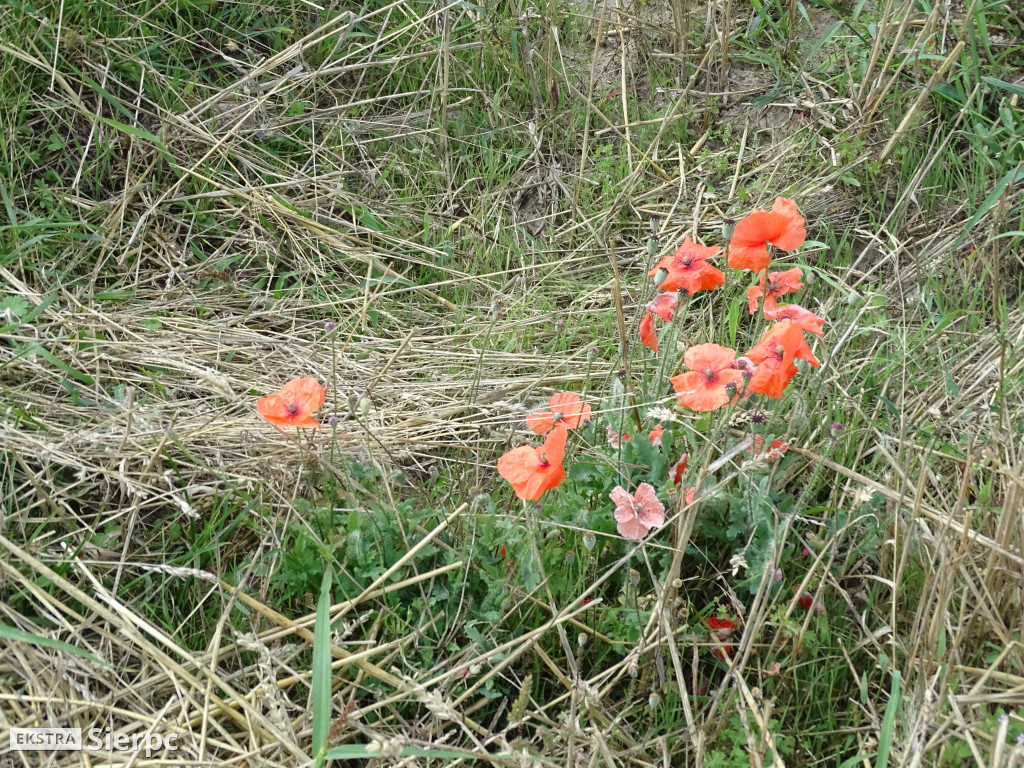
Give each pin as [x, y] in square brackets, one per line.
[356, 751]
[888, 721]
[322, 667]
[12, 634]
[1012, 177]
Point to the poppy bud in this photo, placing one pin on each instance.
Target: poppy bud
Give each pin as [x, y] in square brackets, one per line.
[660, 276]
[364, 407]
[837, 430]
[728, 226]
[570, 557]
[634, 577]
[589, 540]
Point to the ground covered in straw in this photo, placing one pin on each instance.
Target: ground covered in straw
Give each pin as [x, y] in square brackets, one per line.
[446, 214]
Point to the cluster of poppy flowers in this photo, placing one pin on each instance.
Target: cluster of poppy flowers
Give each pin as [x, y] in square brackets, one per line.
[717, 376]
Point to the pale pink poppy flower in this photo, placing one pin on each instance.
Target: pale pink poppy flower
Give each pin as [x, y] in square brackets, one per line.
[636, 515]
[615, 439]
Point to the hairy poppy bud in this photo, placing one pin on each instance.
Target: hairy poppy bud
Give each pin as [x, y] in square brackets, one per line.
[364, 407]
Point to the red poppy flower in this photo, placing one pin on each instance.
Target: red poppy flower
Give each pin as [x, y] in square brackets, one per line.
[704, 387]
[721, 631]
[779, 284]
[656, 434]
[664, 305]
[294, 405]
[676, 471]
[805, 601]
[776, 451]
[779, 346]
[782, 226]
[531, 471]
[637, 515]
[647, 335]
[566, 408]
[688, 269]
[807, 320]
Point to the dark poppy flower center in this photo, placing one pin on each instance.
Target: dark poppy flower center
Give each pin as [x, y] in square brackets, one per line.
[773, 287]
[779, 352]
[544, 461]
[710, 376]
[687, 261]
[292, 408]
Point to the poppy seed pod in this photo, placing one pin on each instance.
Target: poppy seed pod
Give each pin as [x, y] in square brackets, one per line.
[570, 557]
[364, 407]
[652, 247]
[581, 639]
[634, 577]
[728, 226]
[660, 277]
[589, 540]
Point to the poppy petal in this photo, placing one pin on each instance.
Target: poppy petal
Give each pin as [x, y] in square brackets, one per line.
[632, 529]
[647, 335]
